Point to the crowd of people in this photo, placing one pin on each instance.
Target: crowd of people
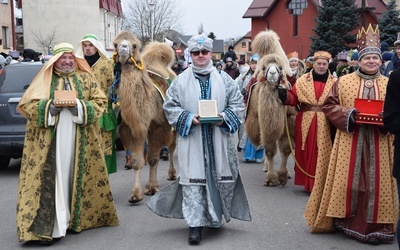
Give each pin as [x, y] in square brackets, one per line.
[343, 162]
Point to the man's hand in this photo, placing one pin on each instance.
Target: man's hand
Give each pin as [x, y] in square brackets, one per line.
[282, 94]
[54, 110]
[73, 110]
[196, 120]
[352, 118]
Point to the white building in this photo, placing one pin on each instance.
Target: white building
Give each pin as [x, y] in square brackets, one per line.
[49, 22]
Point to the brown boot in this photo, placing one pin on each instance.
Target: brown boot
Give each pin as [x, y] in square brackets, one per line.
[128, 162]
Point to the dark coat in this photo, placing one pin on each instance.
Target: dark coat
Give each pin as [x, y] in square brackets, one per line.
[391, 116]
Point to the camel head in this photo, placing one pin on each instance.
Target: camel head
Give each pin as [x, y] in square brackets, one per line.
[269, 69]
[126, 47]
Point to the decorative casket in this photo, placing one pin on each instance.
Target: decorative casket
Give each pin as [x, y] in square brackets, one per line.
[370, 111]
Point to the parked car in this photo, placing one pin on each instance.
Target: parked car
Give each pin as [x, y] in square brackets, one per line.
[14, 80]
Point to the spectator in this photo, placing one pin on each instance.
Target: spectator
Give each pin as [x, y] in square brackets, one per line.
[230, 54]
[231, 68]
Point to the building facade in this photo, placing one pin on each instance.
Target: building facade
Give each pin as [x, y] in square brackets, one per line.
[294, 20]
[49, 22]
[7, 29]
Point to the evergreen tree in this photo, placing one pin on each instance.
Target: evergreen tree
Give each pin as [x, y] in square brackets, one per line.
[389, 24]
[334, 24]
[212, 35]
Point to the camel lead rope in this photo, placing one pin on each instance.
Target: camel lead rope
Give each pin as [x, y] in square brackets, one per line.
[291, 147]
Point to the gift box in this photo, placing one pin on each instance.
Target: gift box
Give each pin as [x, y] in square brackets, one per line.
[64, 98]
[370, 111]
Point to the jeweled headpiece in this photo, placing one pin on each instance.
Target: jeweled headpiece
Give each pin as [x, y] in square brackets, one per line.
[368, 42]
[322, 55]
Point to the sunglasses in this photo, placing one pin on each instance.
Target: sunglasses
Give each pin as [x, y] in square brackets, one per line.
[203, 52]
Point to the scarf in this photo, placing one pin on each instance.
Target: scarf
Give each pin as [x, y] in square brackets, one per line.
[320, 78]
[92, 59]
[191, 155]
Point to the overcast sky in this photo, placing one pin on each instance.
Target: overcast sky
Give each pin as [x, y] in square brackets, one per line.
[223, 17]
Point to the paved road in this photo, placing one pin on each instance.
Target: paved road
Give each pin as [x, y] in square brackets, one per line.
[277, 213]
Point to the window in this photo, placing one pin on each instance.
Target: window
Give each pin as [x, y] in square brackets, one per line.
[4, 1]
[243, 44]
[5, 31]
[296, 8]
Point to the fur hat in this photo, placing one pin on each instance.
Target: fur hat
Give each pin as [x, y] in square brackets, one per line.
[398, 40]
[293, 56]
[228, 59]
[29, 53]
[267, 42]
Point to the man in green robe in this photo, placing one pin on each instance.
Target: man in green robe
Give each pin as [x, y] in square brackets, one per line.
[63, 180]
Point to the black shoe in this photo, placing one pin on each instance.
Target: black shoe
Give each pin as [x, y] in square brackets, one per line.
[164, 156]
[195, 235]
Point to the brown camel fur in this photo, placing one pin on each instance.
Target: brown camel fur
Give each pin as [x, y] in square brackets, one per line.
[266, 116]
[141, 112]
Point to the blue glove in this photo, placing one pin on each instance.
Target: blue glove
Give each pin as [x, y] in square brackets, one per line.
[73, 110]
[54, 110]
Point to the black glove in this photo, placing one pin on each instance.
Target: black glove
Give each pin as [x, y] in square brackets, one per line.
[73, 110]
[54, 110]
[282, 94]
[352, 118]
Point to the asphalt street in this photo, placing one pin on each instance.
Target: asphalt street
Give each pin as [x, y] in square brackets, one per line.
[277, 214]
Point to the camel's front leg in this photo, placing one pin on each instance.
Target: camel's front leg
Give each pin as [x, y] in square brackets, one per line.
[271, 178]
[151, 188]
[136, 146]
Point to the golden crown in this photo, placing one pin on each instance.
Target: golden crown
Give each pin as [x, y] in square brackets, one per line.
[368, 41]
[322, 55]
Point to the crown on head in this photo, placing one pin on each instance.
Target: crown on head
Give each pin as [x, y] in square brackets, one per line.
[343, 55]
[368, 41]
[322, 55]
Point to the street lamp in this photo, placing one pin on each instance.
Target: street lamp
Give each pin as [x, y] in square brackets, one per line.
[152, 5]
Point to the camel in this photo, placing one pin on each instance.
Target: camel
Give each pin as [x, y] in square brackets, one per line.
[266, 116]
[141, 107]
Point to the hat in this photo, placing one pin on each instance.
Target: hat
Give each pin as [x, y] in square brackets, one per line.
[387, 56]
[29, 53]
[2, 60]
[228, 59]
[293, 56]
[342, 56]
[200, 42]
[354, 56]
[93, 40]
[368, 42]
[322, 55]
[398, 40]
[309, 61]
[254, 58]
[384, 46]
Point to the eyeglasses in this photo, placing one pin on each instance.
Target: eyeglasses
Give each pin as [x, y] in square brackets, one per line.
[203, 52]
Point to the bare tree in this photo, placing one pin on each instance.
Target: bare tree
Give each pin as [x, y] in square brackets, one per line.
[45, 41]
[159, 22]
